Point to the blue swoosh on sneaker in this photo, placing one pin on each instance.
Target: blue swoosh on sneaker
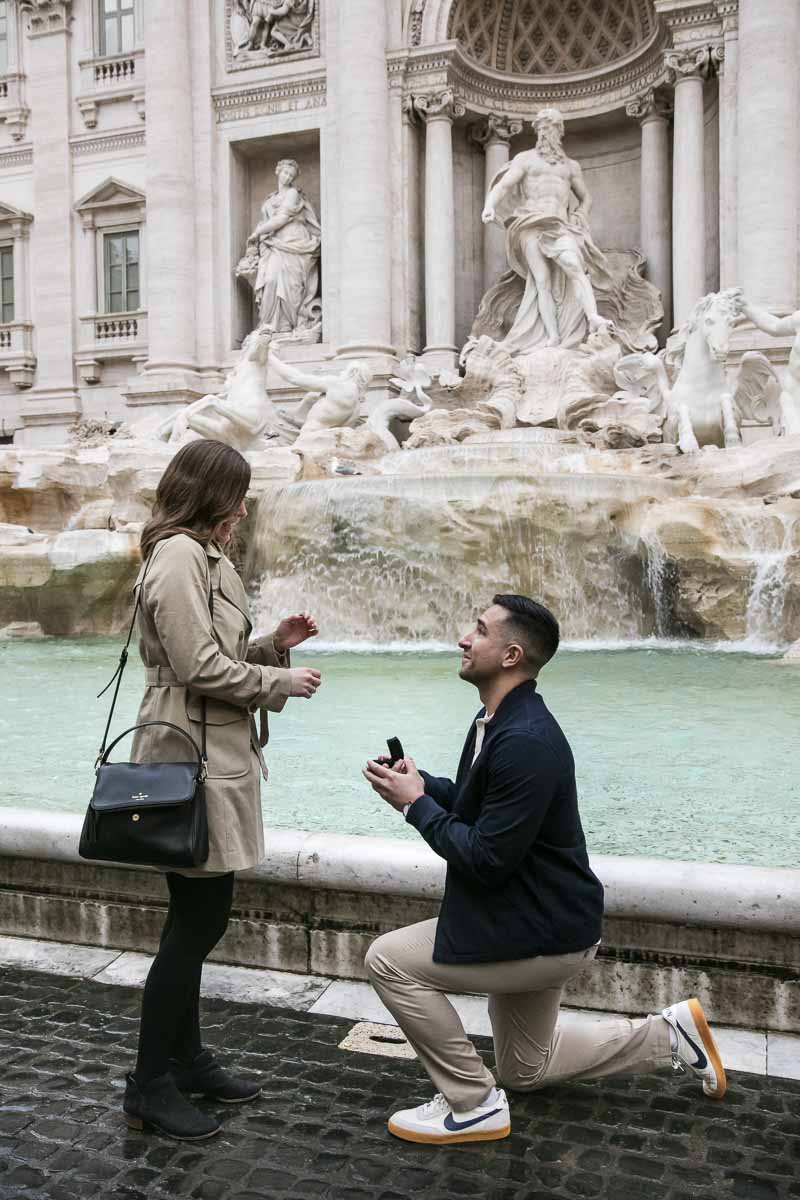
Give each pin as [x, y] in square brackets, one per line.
[702, 1061]
[453, 1126]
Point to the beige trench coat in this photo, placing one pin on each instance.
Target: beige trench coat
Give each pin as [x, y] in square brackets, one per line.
[186, 656]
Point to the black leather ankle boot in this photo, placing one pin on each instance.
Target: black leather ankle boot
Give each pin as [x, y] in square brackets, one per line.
[203, 1076]
[159, 1105]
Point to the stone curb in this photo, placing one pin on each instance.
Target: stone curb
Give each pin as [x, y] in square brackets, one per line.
[690, 893]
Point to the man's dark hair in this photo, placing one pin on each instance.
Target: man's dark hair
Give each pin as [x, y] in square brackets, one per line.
[533, 626]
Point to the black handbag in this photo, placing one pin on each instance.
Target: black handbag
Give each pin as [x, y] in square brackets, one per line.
[149, 813]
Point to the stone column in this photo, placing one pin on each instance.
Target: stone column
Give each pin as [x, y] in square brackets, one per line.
[54, 403]
[655, 235]
[769, 151]
[365, 317]
[412, 234]
[171, 251]
[439, 110]
[494, 135]
[690, 68]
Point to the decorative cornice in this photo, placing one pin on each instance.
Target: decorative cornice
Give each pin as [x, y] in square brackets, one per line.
[497, 127]
[263, 99]
[107, 143]
[16, 158]
[649, 106]
[439, 106]
[435, 68]
[688, 16]
[47, 16]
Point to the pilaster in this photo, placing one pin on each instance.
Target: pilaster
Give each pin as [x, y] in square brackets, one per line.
[53, 404]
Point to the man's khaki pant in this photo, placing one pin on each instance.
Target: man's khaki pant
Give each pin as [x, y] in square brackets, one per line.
[524, 996]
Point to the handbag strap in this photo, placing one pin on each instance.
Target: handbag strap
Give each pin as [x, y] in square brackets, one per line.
[144, 725]
[123, 659]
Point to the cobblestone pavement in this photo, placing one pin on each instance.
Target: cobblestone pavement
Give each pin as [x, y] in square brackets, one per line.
[319, 1132]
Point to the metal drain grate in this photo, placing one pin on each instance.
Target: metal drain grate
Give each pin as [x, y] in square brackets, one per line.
[368, 1038]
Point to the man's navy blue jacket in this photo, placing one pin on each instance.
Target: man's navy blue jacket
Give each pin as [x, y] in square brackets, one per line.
[518, 877]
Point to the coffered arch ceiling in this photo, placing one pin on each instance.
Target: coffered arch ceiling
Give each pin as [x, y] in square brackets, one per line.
[550, 37]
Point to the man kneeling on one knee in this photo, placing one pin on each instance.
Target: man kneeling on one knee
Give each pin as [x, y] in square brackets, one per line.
[521, 914]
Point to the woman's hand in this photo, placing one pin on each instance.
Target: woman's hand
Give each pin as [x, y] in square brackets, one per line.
[305, 681]
[293, 630]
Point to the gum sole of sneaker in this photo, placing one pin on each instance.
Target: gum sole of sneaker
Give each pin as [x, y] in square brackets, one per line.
[710, 1045]
[140, 1126]
[427, 1139]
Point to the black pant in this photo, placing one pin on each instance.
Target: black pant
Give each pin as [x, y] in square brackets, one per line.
[196, 920]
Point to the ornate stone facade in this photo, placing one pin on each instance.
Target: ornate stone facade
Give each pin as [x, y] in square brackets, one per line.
[399, 115]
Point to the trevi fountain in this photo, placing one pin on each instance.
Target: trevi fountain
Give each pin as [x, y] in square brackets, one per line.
[494, 297]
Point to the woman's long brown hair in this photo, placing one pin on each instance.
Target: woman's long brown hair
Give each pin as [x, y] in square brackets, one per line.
[205, 482]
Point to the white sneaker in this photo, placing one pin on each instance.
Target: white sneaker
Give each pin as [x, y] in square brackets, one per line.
[436, 1123]
[696, 1049]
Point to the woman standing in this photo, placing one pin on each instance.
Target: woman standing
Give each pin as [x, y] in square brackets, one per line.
[194, 627]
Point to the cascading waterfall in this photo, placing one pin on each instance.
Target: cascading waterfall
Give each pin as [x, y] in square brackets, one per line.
[768, 593]
[388, 559]
[655, 575]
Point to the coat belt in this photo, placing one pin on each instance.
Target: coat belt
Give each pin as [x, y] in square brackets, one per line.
[161, 677]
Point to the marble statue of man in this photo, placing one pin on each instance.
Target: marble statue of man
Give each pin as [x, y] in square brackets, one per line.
[543, 203]
[334, 400]
[789, 400]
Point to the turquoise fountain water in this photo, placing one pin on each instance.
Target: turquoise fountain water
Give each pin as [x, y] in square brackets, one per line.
[679, 751]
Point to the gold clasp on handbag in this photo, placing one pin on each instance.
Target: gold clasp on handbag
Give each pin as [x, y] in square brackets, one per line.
[135, 817]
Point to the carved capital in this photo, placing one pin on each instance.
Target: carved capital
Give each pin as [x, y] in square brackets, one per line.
[47, 16]
[495, 128]
[695, 62]
[409, 108]
[440, 106]
[648, 106]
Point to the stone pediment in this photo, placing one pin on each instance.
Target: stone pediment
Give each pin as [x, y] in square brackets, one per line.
[112, 193]
[10, 215]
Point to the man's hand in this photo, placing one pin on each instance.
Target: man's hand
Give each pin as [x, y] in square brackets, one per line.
[305, 681]
[293, 630]
[398, 786]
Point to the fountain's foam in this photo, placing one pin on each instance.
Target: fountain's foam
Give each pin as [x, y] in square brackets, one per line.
[406, 560]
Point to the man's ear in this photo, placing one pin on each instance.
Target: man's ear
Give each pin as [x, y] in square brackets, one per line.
[513, 656]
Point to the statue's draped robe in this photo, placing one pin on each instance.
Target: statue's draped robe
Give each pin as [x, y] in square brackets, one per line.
[552, 235]
[287, 280]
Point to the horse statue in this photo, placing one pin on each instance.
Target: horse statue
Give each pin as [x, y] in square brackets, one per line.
[687, 383]
[242, 414]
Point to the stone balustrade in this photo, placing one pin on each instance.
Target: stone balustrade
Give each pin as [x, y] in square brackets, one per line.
[13, 110]
[106, 337]
[728, 934]
[111, 79]
[16, 352]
